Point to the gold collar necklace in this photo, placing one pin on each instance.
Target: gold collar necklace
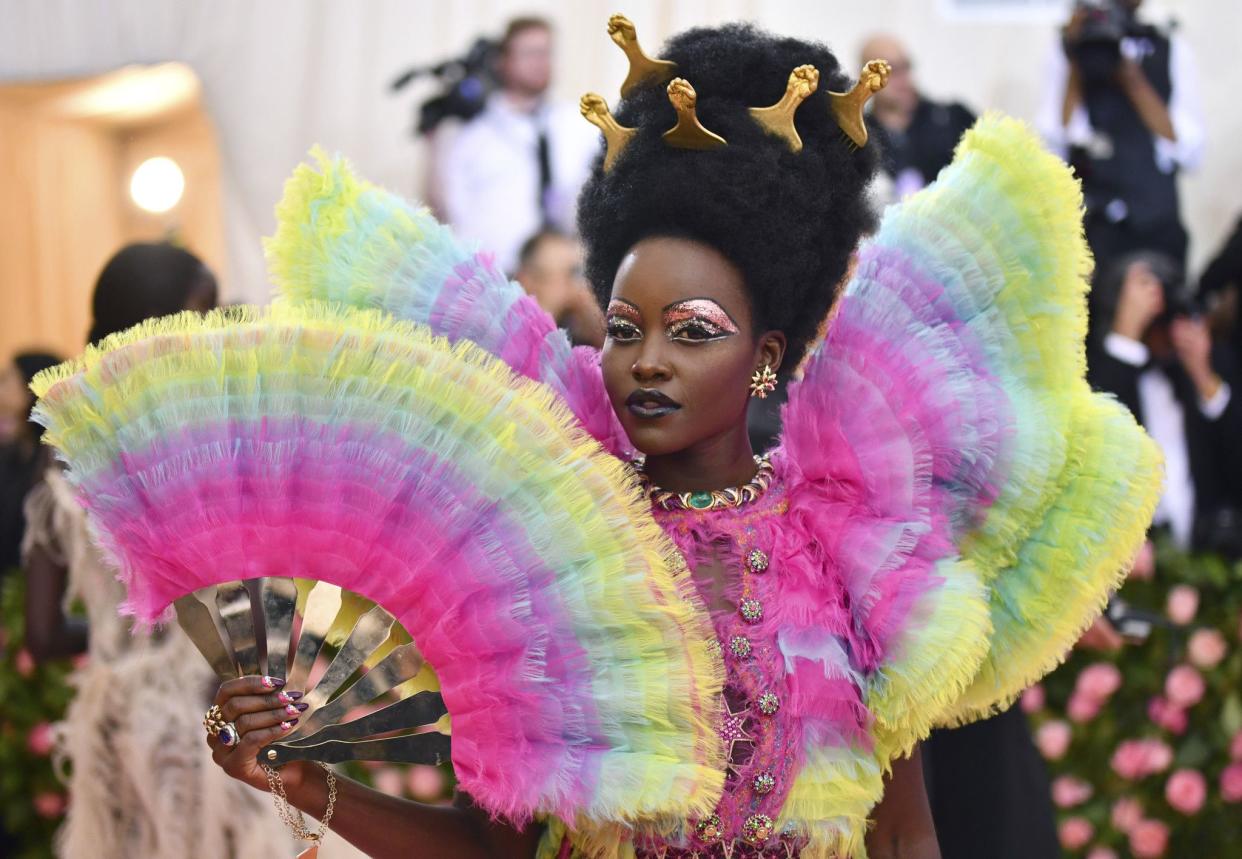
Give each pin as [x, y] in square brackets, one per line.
[716, 499]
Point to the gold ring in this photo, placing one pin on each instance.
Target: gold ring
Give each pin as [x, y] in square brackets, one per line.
[214, 721]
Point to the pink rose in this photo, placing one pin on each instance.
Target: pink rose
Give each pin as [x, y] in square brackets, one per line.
[1207, 648]
[1186, 790]
[1098, 681]
[1053, 739]
[1231, 783]
[1235, 747]
[1136, 759]
[1149, 839]
[24, 663]
[1033, 699]
[425, 782]
[49, 805]
[389, 781]
[1068, 791]
[1082, 708]
[1144, 566]
[1168, 716]
[80, 661]
[1184, 686]
[39, 740]
[1182, 604]
[1158, 755]
[1126, 814]
[1102, 853]
[1075, 832]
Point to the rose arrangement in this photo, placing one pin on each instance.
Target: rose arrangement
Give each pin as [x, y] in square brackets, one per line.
[1144, 746]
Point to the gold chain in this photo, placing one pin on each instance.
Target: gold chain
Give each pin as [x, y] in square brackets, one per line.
[298, 823]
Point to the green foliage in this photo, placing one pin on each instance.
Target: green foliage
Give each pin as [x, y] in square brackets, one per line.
[1199, 735]
[31, 697]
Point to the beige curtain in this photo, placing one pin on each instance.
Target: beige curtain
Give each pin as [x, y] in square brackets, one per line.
[281, 75]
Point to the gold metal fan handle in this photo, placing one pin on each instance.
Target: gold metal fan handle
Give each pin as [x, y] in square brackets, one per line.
[199, 625]
[431, 748]
[279, 598]
[408, 714]
[233, 601]
[368, 634]
[323, 603]
[401, 665]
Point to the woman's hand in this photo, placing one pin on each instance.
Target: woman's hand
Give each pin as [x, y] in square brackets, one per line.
[263, 713]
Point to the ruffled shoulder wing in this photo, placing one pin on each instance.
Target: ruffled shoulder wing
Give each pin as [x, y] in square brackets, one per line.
[342, 240]
[995, 500]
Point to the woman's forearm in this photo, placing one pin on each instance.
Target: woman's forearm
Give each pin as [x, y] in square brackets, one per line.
[385, 826]
[50, 634]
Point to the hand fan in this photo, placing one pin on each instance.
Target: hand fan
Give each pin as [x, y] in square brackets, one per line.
[245, 448]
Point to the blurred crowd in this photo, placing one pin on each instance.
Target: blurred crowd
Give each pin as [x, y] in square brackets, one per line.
[1120, 104]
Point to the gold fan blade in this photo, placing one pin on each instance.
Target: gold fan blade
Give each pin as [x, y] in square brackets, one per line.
[200, 626]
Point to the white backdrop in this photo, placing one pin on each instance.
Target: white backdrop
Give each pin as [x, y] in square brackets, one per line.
[280, 75]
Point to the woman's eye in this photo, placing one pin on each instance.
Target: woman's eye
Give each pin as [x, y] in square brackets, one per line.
[695, 330]
[621, 330]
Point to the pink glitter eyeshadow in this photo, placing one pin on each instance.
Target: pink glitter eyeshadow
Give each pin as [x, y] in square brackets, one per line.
[624, 310]
[700, 308]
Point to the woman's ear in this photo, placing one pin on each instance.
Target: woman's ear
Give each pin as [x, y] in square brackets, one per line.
[771, 351]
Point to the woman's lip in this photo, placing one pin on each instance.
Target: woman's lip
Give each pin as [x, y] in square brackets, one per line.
[648, 403]
[644, 410]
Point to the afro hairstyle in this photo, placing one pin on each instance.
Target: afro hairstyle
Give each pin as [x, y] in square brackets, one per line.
[788, 221]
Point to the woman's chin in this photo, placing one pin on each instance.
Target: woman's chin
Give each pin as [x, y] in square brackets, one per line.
[650, 440]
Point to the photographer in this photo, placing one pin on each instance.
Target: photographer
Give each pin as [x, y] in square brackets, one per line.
[1158, 358]
[916, 135]
[517, 166]
[1122, 105]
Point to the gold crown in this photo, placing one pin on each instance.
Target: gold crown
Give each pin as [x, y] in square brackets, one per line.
[689, 132]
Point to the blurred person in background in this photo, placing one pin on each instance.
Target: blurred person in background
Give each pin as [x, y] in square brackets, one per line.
[517, 167]
[1220, 289]
[916, 135]
[141, 779]
[550, 269]
[1122, 105]
[21, 458]
[1158, 358]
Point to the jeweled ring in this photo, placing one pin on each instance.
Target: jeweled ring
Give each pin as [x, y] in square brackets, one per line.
[229, 735]
[214, 721]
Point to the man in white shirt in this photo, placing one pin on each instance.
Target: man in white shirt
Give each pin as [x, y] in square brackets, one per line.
[1126, 113]
[517, 167]
[1158, 359]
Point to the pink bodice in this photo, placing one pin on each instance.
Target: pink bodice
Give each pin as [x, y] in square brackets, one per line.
[731, 554]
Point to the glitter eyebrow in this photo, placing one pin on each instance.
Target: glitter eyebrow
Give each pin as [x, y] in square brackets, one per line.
[700, 308]
[625, 310]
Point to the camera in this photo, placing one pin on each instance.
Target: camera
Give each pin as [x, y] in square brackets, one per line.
[465, 83]
[1097, 47]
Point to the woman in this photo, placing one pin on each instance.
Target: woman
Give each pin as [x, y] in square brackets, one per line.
[21, 458]
[715, 262]
[140, 782]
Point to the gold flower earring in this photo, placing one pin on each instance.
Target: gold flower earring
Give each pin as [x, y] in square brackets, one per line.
[763, 382]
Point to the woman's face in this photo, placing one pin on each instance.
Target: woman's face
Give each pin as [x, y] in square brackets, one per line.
[14, 402]
[681, 346]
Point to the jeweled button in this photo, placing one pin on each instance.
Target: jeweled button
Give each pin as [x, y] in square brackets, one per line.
[763, 783]
[709, 828]
[757, 829]
[757, 560]
[769, 703]
[751, 610]
[739, 646]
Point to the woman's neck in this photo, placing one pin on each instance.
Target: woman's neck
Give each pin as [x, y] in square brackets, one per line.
[721, 461]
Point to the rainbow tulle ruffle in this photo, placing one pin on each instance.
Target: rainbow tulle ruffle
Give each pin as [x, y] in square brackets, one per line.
[341, 445]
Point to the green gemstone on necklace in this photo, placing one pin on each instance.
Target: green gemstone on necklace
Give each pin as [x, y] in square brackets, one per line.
[700, 500]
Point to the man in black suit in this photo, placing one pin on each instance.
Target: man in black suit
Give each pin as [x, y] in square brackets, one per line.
[1157, 357]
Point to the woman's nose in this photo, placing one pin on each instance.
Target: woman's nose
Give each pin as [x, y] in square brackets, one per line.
[650, 365]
